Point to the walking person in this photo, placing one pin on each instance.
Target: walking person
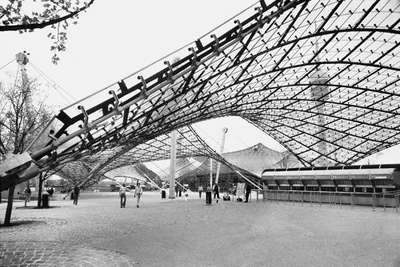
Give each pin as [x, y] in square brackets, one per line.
[248, 191]
[216, 191]
[122, 195]
[76, 194]
[51, 191]
[28, 194]
[138, 194]
[200, 191]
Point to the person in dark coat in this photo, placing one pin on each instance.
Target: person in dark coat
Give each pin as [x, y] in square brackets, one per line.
[248, 191]
[76, 194]
[216, 191]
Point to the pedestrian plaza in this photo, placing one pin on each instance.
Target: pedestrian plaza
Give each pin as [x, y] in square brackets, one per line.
[180, 232]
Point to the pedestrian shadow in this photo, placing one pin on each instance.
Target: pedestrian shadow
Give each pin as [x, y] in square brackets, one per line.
[22, 223]
[36, 207]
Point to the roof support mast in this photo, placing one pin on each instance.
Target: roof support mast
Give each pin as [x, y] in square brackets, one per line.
[224, 131]
[172, 166]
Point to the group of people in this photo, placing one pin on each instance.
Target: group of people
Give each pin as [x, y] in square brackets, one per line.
[122, 194]
[215, 190]
[138, 191]
[28, 193]
[50, 190]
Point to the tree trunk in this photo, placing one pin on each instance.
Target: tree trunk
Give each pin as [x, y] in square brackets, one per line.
[7, 220]
[39, 203]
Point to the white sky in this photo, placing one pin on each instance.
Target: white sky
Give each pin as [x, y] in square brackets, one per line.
[117, 38]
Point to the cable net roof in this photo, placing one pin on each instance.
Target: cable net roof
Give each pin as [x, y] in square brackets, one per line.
[320, 77]
[93, 168]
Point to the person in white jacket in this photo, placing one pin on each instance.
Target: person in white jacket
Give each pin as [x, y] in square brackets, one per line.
[138, 193]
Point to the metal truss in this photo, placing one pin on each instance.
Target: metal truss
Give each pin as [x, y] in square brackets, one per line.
[91, 169]
[320, 77]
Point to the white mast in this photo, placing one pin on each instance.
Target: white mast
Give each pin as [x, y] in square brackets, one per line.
[172, 166]
[224, 131]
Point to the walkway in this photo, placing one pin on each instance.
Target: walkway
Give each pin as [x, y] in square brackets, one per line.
[163, 232]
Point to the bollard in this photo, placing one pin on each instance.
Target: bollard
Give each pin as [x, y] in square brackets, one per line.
[319, 198]
[293, 197]
[384, 202]
[352, 200]
[163, 194]
[373, 201]
[208, 197]
[45, 200]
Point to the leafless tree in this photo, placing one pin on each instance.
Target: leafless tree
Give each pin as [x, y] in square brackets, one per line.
[23, 114]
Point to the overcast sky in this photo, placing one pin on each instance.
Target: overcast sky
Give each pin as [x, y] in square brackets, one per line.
[117, 38]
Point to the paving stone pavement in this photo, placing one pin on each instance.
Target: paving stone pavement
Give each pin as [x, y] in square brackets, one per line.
[162, 232]
[43, 226]
[23, 253]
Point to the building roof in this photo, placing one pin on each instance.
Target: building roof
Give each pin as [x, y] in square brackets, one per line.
[258, 157]
[320, 77]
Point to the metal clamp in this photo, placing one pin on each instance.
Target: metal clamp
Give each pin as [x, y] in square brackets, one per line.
[54, 144]
[144, 87]
[85, 115]
[260, 19]
[217, 49]
[51, 135]
[239, 35]
[171, 78]
[116, 102]
[195, 62]
[83, 145]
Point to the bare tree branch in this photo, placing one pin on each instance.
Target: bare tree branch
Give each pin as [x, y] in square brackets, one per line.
[44, 24]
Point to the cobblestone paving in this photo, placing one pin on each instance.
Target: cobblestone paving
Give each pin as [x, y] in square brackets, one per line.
[97, 232]
[23, 253]
[60, 236]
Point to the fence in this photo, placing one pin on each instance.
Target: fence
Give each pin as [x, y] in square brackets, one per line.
[387, 199]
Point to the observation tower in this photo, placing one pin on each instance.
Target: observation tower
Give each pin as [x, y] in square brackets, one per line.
[320, 95]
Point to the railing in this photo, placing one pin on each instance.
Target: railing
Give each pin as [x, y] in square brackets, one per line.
[387, 199]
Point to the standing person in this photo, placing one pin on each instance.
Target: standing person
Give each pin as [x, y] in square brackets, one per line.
[216, 191]
[248, 191]
[28, 194]
[122, 195]
[138, 193]
[76, 194]
[200, 191]
[50, 191]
